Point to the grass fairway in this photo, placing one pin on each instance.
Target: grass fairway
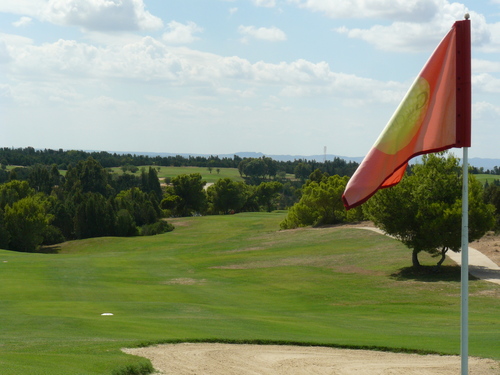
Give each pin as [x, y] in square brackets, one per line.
[213, 177]
[231, 277]
[483, 178]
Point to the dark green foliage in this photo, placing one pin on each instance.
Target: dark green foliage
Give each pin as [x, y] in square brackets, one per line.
[302, 171]
[191, 193]
[320, 204]
[152, 184]
[39, 179]
[125, 181]
[125, 224]
[139, 205]
[227, 195]
[424, 210]
[142, 368]
[267, 194]
[258, 168]
[26, 221]
[88, 177]
[4, 233]
[52, 235]
[156, 228]
[492, 196]
[94, 217]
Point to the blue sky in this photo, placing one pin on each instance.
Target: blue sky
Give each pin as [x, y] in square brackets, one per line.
[226, 76]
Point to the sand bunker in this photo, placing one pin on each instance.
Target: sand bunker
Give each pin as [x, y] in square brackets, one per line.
[228, 359]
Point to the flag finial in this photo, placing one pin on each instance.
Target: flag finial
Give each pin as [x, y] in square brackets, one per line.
[467, 16]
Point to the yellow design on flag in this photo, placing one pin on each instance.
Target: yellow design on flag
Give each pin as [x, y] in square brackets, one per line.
[407, 119]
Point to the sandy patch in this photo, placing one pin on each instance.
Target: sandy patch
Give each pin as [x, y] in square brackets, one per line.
[227, 359]
[184, 281]
[489, 245]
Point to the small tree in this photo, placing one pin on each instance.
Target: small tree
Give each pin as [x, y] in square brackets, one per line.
[227, 195]
[191, 193]
[26, 221]
[320, 204]
[424, 210]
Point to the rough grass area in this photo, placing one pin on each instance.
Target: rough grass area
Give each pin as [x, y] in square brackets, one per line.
[232, 278]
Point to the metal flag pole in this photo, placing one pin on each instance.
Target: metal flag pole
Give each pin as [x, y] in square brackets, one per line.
[464, 301]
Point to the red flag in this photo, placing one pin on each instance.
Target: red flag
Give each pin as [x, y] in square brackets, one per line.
[434, 115]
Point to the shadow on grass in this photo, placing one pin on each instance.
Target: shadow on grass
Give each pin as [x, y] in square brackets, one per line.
[430, 274]
[49, 249]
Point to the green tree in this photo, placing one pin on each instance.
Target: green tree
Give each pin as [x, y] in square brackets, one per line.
[40, 179]
[191, 193]
[139, 205]
[320, 204]
[4, 233]
[492, 196]
[227, 195]
[25, 221]
[267, 194]
[125, 224]
[94, 217]
[152, 183]
[13, 191]
[87, 176]
[302, 171]
[424, 210]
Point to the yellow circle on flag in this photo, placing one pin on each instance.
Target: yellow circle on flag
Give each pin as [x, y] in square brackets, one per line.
[407, 119]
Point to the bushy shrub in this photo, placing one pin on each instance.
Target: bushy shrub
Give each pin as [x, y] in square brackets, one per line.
[157, 228]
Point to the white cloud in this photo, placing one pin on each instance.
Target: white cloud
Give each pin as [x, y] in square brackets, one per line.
[179, 33]
[417, 25]
[102, 15]
[4, 52]
[417, 37]
[151, 61]
[485, 66]
[23, 21]
[233, 11]
[271, 34]
[403, 10]
[265, 3]
[486, 83]
[23, 7]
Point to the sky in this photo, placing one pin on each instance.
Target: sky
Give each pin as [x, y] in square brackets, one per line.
[281, 77]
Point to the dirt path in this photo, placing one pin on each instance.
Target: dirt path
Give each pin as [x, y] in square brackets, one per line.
[227, 359]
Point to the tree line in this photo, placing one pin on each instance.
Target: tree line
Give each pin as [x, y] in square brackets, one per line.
[64, 158]
[48, 208]
[40, 206]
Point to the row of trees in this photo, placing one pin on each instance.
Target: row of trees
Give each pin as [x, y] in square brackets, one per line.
[44, 207]
[63, 159]
[187, 196]
[423, 211]
[48, 208]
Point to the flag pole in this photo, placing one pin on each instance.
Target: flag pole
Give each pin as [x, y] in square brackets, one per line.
[464, 123]
[464, 301]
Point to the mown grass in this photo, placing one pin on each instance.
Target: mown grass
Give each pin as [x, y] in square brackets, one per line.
[213, 177]
[483, 178]
[231, 278]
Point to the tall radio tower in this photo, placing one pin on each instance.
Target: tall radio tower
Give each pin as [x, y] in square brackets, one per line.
[324, 154]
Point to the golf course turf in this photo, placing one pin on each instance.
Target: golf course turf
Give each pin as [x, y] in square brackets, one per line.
[233, 278]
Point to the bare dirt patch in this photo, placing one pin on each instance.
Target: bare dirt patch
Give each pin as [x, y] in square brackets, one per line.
[230, 359]
[184, 281]
[489, 245]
